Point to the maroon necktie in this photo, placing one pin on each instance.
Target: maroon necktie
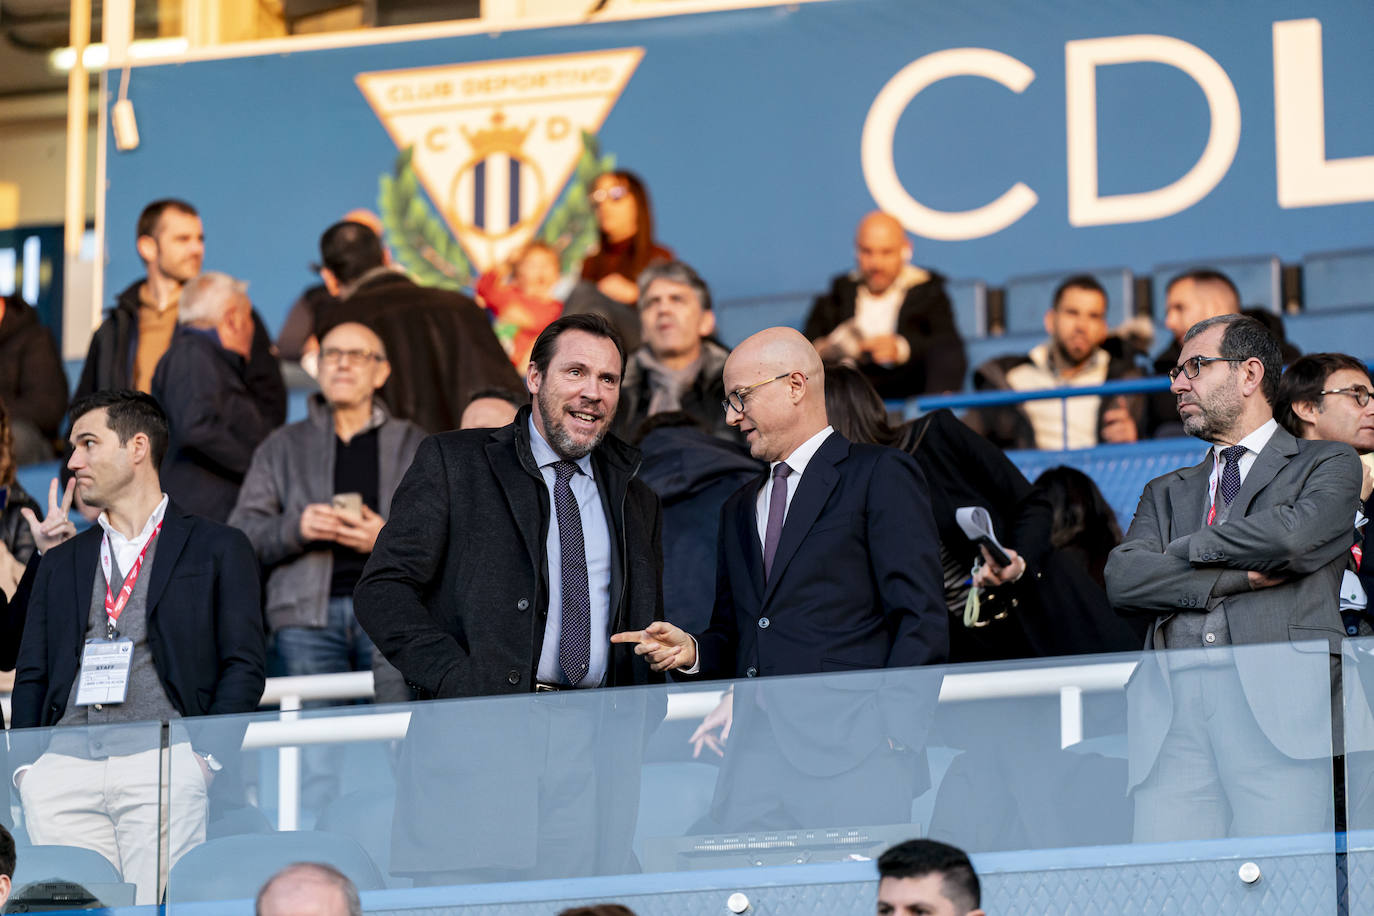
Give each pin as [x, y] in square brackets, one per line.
[777, 511]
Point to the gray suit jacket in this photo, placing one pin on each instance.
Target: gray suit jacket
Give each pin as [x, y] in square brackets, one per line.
[1292, 517]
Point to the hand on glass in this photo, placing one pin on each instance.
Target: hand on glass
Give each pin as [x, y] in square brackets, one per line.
[55, 527]
[667, 647]
[360, 533]
[717, 720]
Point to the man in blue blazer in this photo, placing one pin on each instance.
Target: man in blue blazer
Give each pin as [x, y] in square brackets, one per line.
[830, 563]
[179, 596]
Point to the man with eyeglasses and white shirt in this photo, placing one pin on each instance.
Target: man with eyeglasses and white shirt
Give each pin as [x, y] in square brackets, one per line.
[1328, 396]
[313, 502]
[1245, 549]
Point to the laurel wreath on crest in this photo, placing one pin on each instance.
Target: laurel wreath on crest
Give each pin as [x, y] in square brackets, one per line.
[423, 245]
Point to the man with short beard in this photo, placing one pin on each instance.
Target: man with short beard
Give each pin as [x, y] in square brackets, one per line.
[508, 559]
[1247, 547]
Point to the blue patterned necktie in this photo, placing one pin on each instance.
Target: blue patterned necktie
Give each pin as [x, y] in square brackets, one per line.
[777, 511]
[1230, 473]
[575, 636]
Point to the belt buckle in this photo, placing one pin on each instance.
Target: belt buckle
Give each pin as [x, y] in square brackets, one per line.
[546, 688]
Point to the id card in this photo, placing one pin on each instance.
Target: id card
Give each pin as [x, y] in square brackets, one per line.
[105, 666]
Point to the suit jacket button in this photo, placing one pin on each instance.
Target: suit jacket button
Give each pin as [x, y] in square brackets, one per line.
[512, 677]
[523, 604]
[763, 623]
[751, 671]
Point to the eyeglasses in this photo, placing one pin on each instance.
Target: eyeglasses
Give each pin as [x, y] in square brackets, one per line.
[614, 192]
[735, 398]
[1193, 365]
[1360, 393]
[334, 356]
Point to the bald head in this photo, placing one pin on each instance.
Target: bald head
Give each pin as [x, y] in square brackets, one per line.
[308, 889]
[1197, 296]
[881, 250]
[778, 377]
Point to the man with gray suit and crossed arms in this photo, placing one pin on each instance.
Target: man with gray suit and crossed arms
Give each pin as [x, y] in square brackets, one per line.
[1246, 547]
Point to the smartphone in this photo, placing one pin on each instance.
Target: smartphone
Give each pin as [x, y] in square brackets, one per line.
[349, 504]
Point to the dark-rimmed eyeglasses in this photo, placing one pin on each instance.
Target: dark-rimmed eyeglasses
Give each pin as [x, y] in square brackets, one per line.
[334, 356]
[735, 398]
[1360, 393]
[1193, 365]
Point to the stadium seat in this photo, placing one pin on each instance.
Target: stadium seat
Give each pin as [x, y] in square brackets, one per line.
[1338, 331]
[365, 816]
[969, 299]
[1337, 280]
[736, 319]
[35, 478]
[234, 867]
[66, 863]
[1257, 279]
[1029, 297]
[1120, 471]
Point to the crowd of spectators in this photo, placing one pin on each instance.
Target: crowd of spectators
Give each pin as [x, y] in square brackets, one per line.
[635, 498]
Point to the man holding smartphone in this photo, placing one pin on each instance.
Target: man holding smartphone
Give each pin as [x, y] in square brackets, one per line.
[315, 497]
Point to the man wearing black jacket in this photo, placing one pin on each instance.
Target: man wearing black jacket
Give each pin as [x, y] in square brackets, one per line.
[202, 382]
[188, 616]
[440, 342]
[136, 332]
[892, 319]
[509, 558]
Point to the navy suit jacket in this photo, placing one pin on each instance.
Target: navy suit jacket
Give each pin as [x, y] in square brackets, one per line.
[856, 584]
[205, 628]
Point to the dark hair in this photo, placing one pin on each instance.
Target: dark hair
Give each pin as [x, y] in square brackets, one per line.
[1205, 275]
[1077, 281]
[328, 873]
[1246, 338]
[6, 447]
[501, 394]
[677, 272]
[1302, 383]
[151, 216]
[642, 245]
[348, 250]
[918, 858]
[7, 857]
[599, 909]
[126, 413]
[1080, 516]
[596, 325]
[854, 408]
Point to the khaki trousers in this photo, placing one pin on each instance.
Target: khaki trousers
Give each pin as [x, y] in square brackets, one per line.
[119, 808]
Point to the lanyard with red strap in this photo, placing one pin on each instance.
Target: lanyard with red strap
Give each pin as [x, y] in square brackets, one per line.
[1212, 488]
[115, 606]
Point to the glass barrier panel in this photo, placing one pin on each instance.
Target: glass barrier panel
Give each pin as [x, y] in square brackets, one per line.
[1357, 681]
[87, 801]
[1196, 761]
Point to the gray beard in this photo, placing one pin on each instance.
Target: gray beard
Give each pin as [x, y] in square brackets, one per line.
[558, 437]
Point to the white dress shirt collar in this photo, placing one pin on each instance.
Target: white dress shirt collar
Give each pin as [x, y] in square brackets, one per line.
[801, 456]
[126, 550]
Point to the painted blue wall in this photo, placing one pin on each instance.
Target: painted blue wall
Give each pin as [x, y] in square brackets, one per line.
[747, 126]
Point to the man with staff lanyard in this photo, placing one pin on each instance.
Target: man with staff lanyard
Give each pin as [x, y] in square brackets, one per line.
[149, 616]
[1246, 549]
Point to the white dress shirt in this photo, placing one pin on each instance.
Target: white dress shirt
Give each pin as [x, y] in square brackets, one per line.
[797, 461]
[1254, 444]
[126, 550]
[596, 541]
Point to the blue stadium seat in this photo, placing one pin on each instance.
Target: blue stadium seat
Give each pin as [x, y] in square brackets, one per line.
[1257, 279]
[1029, 297]
[969, 299]
[1120, 471]
[1338, 280]
[65, 863]
[982, 349]
[1335, 331]
[34, 478]
[736, 319]
[234, 867]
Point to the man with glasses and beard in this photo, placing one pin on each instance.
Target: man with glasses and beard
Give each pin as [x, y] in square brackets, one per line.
[1247, 547]
[509, 558]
